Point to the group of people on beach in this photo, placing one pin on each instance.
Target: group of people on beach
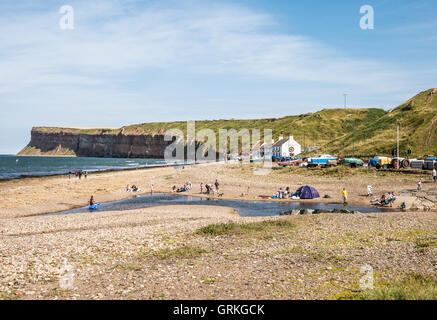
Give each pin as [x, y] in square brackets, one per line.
[210, 188]
[78, 174]
[134, 188]
[186, 187]
[388, 200]
[282, 193]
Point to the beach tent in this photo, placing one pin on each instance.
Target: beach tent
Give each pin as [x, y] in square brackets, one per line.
[307, 192]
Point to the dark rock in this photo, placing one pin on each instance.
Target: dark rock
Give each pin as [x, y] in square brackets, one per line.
[320, 211]
[289, 213]
[306, 211]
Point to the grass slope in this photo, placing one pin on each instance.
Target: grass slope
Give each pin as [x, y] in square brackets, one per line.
[359, 132]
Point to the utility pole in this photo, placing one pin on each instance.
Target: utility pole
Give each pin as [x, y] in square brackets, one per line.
[397, 147]
[353, 141]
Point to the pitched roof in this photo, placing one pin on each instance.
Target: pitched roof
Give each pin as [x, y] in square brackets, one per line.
[280, 143]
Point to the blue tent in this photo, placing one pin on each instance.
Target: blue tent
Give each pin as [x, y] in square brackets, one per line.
[307, 192]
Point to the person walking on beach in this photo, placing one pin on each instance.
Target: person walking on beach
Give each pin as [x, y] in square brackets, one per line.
[434, 175]
[69, 175]
[369, 191]
[85, 174]
[344, 193]
[419, 185]
[151, 189]
[216, 184]
[201, 187]
[80, 175]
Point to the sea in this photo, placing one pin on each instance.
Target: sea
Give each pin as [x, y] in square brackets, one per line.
[12, 166]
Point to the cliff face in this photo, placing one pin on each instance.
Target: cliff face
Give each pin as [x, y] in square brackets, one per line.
[100, 144]
[349, 132]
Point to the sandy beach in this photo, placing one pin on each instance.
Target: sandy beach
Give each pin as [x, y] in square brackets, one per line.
[201, 252]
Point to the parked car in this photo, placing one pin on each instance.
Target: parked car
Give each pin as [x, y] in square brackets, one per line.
[352, 162]
[324, 160]
[291, 162]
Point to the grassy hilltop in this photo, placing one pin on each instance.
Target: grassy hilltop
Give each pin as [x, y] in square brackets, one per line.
[340, 131]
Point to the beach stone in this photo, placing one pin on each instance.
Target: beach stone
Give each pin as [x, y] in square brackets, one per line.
[327, 196]
[306, 211]
[289, 212]
[320, 211]
[340, 211]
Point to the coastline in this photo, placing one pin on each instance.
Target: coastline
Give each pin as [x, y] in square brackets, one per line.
[50, 194]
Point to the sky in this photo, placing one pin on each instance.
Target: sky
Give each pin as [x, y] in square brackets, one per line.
[136, 61]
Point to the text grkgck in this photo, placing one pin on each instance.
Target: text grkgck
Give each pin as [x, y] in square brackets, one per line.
[240, 309]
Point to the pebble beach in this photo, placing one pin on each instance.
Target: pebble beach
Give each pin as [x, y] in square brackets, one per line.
[203, 252]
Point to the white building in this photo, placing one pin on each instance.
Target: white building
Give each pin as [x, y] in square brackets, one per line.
[286, 148]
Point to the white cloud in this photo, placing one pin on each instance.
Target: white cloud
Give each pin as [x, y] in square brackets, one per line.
[104, 72]
[110, 41]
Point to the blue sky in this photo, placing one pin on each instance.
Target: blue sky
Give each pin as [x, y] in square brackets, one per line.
[129, 61]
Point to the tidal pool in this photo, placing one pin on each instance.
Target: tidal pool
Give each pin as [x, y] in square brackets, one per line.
[245, 208]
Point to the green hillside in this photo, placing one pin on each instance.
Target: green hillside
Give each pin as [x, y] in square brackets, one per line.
[360, 132]
[320, 128]
[418, 130]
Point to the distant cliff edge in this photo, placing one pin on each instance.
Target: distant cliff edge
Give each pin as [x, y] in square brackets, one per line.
[358, 132]
[94, 143]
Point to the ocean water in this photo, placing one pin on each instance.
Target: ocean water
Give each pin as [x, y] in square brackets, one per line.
[17, 167]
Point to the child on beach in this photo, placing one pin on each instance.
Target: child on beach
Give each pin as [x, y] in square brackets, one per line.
[434, 175]
[201, 187]
[369, 191]
[419, 185]
[344, 194]
[391, 198]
